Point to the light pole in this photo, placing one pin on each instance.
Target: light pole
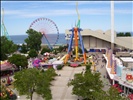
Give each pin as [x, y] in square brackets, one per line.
[20, 68]
[13, 68]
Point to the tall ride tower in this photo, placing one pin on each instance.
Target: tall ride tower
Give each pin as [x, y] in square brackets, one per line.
[75, 36]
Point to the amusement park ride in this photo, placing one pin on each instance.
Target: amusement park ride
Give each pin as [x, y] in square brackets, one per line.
[75, 36]
[3, 28]
[48, 29]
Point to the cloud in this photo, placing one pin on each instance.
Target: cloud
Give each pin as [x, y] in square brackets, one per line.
[123, 11]
[57, 12]
[63, 12]
[12, 12]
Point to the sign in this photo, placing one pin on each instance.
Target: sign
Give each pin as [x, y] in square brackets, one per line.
[129, 77]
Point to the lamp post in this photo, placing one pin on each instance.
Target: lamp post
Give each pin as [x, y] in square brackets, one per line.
[20, 68]
[13, 68]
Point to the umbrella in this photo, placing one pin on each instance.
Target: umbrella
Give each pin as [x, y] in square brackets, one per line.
[36, 62]
[47, 54]
[5, 66]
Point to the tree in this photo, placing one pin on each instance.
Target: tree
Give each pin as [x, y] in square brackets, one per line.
[88, 67]
[24, 48]
[45, 50]
[120, 34]
[18, 60]
[33, 80]
[89, 86]
[7, 47]
[124, 35]
[86, 85]
[32, 53]
[54, 50]
[61, 48]
[34, 39]
[45, 91]
[128, 34]
[113, 94]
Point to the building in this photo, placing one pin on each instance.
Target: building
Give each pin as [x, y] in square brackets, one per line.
[100, 39]
[120, 74]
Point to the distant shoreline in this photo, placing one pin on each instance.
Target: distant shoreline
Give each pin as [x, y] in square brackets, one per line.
[19, 39]
[61, 34]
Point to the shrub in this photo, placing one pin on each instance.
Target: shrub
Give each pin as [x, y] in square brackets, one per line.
[45, 50]
[59, 67]
[79, 65]
[28, 57]
[88, 67]
[67, 64]
[50, 57]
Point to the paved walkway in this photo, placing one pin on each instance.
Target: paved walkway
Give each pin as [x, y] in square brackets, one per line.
[60, 90]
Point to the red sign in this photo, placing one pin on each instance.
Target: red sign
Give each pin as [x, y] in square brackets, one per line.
[129, 77]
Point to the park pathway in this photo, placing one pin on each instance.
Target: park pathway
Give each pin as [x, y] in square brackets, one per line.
[60, 90]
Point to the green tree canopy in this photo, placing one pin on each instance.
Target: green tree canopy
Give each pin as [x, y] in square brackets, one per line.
[33, 53]
[18, 60]
[113, 94]
[24, 48]
[34, 39]
[89, 86]
[86, 84]
[33, 80]
[7, 47]
[45, 50]
[61, 48]
[121, 34]
[127, 34]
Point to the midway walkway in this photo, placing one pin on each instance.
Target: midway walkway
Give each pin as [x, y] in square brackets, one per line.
[60, 90]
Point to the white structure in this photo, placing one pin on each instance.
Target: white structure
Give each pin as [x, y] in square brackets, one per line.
[55, 63]
[121, 79]
[112, 25]
[101, 39]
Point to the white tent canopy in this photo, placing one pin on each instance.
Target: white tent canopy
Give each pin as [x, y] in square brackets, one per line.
[55, 63]
[58, 62]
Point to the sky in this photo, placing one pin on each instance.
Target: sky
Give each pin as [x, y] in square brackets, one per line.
[94, 15]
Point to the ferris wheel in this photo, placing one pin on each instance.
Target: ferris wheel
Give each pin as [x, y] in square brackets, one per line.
[48, 29]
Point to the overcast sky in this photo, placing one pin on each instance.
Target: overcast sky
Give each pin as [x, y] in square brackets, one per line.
[94, 15]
